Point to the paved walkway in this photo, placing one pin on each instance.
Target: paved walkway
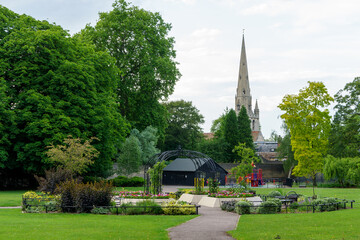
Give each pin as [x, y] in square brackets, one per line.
[212, 224]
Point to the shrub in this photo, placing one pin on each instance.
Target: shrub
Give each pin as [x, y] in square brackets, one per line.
[176, 208]
[274, 194]
[332, 203]
[122, 181]
[92, 179]
[100, 210]
[82, 197]
[294, 206]
[268, 207]
[277, 202]
[228, 205]
[320, 205]
[243, 207]
[52, 179]
[52, 206]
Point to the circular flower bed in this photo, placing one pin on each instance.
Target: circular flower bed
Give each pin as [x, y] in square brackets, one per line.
[141, 195]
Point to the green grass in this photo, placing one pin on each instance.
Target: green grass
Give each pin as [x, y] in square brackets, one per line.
[11, 198]
[17, 225]
[341, 224]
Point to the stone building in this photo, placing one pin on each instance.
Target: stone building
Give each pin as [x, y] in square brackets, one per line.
[243, 97]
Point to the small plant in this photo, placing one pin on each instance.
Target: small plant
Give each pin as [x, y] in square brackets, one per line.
[228, 206]
[277, 202]
[199, 185]
[213, 185]
[294, 206]
[320, 205]
[243, 207]
[331, 204]
[100, 210]
[178, 208]
[268, 207]
[274, 194]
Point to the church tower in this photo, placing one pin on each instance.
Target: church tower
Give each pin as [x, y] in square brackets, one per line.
[243, 96]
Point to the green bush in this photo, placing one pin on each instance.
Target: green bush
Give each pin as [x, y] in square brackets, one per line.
[277, 202]
[332, 203]
[82, 197]
[52, 206]
[177, 208]
[100, 210]
[122, 181]
[274, 194]
[294, 206]
[268, 207]
[243, 207]
[320, 205]
[228, 205]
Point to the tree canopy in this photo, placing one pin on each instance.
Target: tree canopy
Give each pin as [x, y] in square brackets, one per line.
[52, 86]
[231, 133]
[244, 125]
[345, 133]
[308, 121]
[183, 125]
[144, 53]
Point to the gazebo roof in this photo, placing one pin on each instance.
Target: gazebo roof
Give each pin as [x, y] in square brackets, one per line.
[184, 165]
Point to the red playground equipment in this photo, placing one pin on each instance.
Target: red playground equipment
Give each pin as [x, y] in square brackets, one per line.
[255, 178]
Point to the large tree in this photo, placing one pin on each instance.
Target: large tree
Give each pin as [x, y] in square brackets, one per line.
[309, 123]
[231, 134]
[54, 86]
[183, 125]
[345, 132]
[245, 128]
[285, 151]
[139, 41]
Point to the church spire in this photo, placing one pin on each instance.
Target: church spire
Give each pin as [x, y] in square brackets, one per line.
[243, 96]
[256, 110]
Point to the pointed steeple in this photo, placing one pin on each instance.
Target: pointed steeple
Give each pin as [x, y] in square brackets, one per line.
[243, 96]
[256, 110]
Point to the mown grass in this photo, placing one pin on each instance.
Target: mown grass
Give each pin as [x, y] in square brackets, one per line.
[11, 198]
[341, 224]
[17, 225]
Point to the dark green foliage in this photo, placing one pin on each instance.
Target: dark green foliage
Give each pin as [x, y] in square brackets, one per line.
[346, 171]
[84, 196]
[244, 125]
[138, 40]
[320, 205]
[285, 151]
[344, 139]
[100, 210]
[122, 181]
[183, 125]
[129, 160]
[274, 193]
[277, 202]
[55, 86]
[268, 207]
[215, 148]
[243, 207]
[143, 207]
[228, 205]
[231, 134]
[294, 206]
[52, 178]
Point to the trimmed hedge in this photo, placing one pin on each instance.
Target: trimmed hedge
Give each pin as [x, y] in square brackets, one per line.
[243, 207]
[122, 181]
[268, 207]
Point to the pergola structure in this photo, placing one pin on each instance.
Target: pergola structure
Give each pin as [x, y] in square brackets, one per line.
[198, 159]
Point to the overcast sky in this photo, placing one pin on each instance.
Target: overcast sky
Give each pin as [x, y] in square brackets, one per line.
[288, 42]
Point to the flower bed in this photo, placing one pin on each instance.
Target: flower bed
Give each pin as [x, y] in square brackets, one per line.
[228, 194]
[141, 195]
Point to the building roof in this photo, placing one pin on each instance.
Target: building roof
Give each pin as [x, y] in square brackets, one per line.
[183, 165]
[187, 165]
[208, 136]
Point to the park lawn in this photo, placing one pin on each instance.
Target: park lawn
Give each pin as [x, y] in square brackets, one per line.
[17, 225]
[341, 224]
[11, 198]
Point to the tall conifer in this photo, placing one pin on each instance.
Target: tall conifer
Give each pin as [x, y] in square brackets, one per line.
[245, 128]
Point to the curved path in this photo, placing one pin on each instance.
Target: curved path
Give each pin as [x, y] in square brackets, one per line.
[213, 223]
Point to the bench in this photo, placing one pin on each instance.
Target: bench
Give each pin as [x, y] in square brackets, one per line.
[302, 185]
